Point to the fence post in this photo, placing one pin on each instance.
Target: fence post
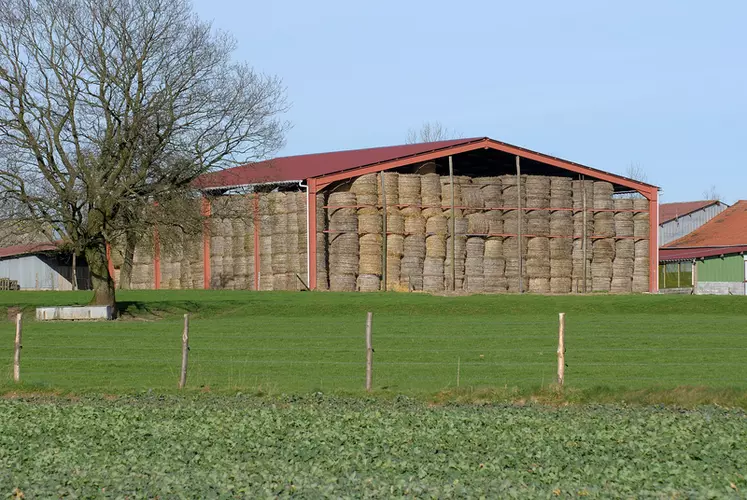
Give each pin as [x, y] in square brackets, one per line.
[369, 352]
[17, 350]
[185, 352]
[561, 350]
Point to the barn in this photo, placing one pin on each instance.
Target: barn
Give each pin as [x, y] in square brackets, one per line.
[681, 218]
[465, 215]
[42, 266]
[712, 259]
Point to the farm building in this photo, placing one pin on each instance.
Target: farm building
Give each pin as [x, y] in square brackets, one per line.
[42, 266]
[712, 259]
[678, 219]
[474, 215]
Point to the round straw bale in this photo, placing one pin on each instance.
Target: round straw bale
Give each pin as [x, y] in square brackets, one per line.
[623, 203]
[640, 284]
[496, 284]
[430, 189]
[393, 267]
[494, 266]
[621, 284]
[395, 245]
[472, 198]
[342, 282]
[641, 249]
[493, 248]
[622, 267]
[561, 185]
[625, 249]
[343, 243]
[435, 246]
[601, 267]
[538, 267]
[343, 264]
[409, 189]
[561, 224]
[604, 226]
[624, 226]
[395, 222]
[437, 225]
[511, 246]
[369, 224]
[368, 283]
[539, 285]
[475, 246]
[477, 223]
[512, 267]
[561, 268]
[491, 191]
[511, 222]
[411, 272]
[367, 204]
[365, 184]
[603, 249]
[461, 225]
[538, 247]
[537, 183]
[641, 204]
[370, 254]
[391, 185]
[415, 224]
[538, 223]
[640, 266]
[495, 221]
[433, 266]
[446, 191]
[578, 194]
[474, 283]
[414, 246]
[560, 284]
[640, 226]
[561, 248]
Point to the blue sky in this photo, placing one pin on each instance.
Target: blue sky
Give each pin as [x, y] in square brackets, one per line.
[662, 84]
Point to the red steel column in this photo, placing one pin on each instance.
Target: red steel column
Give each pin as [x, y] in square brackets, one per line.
[257, 262]
[653, 241]
[156, 259]
[206, 212]
[311, 203]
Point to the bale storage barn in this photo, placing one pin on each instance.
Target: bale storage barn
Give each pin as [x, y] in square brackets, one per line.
[473, 215]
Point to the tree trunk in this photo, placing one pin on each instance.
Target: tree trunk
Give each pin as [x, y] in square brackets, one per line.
[101, 280]
[125, 272]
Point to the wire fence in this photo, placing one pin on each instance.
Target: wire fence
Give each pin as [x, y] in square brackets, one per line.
[411, 353]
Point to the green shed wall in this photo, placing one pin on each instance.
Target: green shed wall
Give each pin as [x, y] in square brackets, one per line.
[729, 268]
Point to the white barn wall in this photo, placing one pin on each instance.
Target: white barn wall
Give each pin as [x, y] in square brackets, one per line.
[35, 272]
[686, 224]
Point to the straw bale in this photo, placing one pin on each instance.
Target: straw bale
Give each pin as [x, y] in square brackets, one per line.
[561, 268]
[640, 284]
[601, 267]
[538, 247]
[415, 224]
[414, 245]
[395, 245]
[478, 223]
[561, 248]
[624, 226]
[511, 222]
[185, 275]
[511, 246]
[495, 221]
[475, 247]
[621, 284]
[365, 184]
[537, 184]
[367, 203]
[461, 225]
[604, 226]
[437, 225]
[393, 267]
[640, 266]
[409, 189]
[391, 185]
[345, 223]
[370, 254]
[472, 198]
[342, 282]
[538, 267]
[446, 191]
[561, 186]
[512, 267]
[342, 264]
[216, 274]
[368, 283]
[622, 267]
[625, 249]
[640, 225]
[601, 284]
[411, 272]
[344, 199]
[641, 249]
[427, 168]
[435, 246]
[493, 248]
[538, 223]
[539, 285]
[640, 204]
[430, 189]
[491, 190]
[433, 266]
[578, 194]
[321, 212]
[560, 284]
[537, 201]
[370, 224]
[494, 266]
[395, 222]
[603, 249]
[474, 283]
[496, 284]
[578, 225]
[343, 243]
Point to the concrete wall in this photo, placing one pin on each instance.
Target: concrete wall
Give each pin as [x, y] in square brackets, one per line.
[719, 288]
[43, 272]
[679, 227]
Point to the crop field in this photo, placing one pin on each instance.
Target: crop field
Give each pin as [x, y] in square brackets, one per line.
[212, 446]
[297, 343]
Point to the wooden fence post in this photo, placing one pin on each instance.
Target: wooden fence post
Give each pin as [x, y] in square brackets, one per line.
[185, 352]
[561, 350]
[369, 352]
[17, 350]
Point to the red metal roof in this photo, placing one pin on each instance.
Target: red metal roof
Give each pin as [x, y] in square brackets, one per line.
[295, 168]
[30, 248]
[727, 229]
[670, 254]
[670, 211]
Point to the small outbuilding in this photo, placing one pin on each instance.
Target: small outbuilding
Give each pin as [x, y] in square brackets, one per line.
[43, 266]
[681, 218]
[710, 260]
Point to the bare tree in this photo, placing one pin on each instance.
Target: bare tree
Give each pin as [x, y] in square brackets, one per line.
[711, 194]
[636, 172]
[107, 106]
[430, 132]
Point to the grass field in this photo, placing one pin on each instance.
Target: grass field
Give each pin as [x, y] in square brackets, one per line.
[207, 446]
[307, 342]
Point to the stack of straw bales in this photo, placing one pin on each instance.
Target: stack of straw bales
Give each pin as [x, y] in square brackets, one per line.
[322, 242]
[436, 230]
[217, 250]
[302, 225]
[494, 261]
[513, 197]
[538, 229]
[395, 222]
[478, 227]
[279, 255]
[641, 249]
[370, 226]
[142, 268]
[561, 230]
[604, 243]
[266, 220]
[195, 246]
[622, 266]
[413, 260]
[582, 190]
[343, 241]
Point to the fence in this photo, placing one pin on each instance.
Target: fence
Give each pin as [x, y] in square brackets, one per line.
[389, 352]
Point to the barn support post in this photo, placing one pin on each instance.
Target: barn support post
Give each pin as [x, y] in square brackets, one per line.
[383, 233]
[206, 210]
[518, 225]
[653, 240]
[453, 227]
[584, 243]
[311, 219]
[255, 218]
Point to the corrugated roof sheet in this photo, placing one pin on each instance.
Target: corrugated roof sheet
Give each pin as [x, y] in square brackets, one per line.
[31, 248]
[670, 211]
[675, 254]
[295, 168]
[729, 228]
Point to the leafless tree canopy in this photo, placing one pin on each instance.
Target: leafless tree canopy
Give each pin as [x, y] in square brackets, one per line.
[636, 172]
[711, 194]
[430, 132]
[108, 105]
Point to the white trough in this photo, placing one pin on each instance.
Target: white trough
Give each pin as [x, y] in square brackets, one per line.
[73, 313]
